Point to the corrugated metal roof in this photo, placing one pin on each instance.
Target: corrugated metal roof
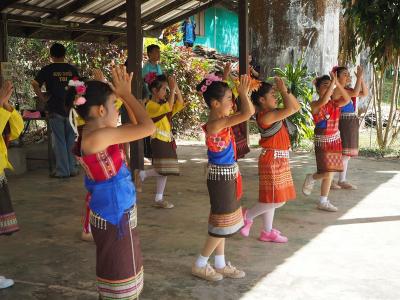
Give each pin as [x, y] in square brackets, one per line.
[31, 17]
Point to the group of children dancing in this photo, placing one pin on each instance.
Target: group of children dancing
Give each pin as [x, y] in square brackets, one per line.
[113, 210]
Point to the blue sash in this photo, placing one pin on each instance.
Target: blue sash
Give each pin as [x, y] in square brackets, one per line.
[225, 157]
[111, 198]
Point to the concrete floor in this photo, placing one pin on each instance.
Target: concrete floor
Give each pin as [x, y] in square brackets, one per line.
[351, 254]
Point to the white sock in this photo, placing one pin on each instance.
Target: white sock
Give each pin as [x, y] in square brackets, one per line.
[342, 175]
[323, 199]
[161, 183]
[201, 261]
[219, 261]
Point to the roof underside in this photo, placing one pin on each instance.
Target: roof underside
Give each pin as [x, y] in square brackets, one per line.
[95, 20]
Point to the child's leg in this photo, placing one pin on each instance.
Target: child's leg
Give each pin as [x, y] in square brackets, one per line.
[324, 203]
[258, 209]
[326, 183]
[342, 175]
[148, 173]
[219, 261]
[209, 247]
[161, 183]
[268, 216]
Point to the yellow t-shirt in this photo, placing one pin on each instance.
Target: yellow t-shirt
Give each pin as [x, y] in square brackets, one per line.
[16, 126]
[163, 126]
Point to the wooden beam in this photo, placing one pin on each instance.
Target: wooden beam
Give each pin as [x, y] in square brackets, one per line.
[163, 11]
[243, 36]
[190, 13]
[53, 24]
[6, 3]
[135, 56]
[244, 46]
[3, 38]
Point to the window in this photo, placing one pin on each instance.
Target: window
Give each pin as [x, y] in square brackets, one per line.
[200, 26]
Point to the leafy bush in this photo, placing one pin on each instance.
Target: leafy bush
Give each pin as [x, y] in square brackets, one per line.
[299, 81]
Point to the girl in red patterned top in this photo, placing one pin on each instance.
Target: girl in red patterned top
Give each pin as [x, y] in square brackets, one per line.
[328, 146]
[349, 123]
[275, 179]
[113, 216]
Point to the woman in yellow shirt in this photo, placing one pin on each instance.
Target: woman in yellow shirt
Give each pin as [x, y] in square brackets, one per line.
[161, 109]
[11, 125]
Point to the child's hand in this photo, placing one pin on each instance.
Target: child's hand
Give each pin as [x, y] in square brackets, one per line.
[360, 72]
[98, 75]
[121, 81]
[280, 84]
[5, 93]
[244, 86]
[333, 78]
[172, 83]
[227, 70]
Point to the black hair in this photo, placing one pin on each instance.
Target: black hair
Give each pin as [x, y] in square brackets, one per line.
[97, 93]
[57, 50]
[339, 70]
[321, 79]
[215, 91]
[256, 95]
[157, 82]
[152, 47]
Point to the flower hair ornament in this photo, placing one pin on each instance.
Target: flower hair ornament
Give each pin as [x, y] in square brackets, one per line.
[150, 77]
[334, 69]
[80, 89]
[209, 79]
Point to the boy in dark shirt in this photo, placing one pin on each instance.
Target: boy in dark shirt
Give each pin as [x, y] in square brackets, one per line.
[56, 76]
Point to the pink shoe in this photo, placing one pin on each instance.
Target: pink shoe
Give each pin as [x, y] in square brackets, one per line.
[272, 236]
[245, 231]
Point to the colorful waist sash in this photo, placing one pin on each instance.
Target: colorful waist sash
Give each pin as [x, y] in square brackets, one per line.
[324, 139]
[111, 198]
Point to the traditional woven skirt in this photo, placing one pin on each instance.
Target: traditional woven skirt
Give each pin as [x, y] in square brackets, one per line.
[328, 152]
[226, 213]
[349, 126]
[275, 179]
[164, 158]
[119, 267]
[8, 220]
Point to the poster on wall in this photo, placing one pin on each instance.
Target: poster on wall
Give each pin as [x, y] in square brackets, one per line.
[6, 70]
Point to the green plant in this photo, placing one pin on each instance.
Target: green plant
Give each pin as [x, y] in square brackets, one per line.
[299, 81]
[372, 24]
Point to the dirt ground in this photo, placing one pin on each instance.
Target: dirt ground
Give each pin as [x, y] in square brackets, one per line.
[351, 254]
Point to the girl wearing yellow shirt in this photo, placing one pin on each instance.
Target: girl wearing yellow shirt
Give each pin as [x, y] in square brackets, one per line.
[161, 108]
[11, 125]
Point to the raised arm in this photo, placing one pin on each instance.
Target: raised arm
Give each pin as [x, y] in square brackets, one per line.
[345, 96]
[247, 109]
[364, 89]
[316, 105]
[172, 89]
[290, 103]
[141, 125]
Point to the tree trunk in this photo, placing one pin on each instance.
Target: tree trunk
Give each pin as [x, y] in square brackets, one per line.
[392, 113]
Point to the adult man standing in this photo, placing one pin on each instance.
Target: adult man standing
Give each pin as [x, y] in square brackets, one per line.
[56, 77]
